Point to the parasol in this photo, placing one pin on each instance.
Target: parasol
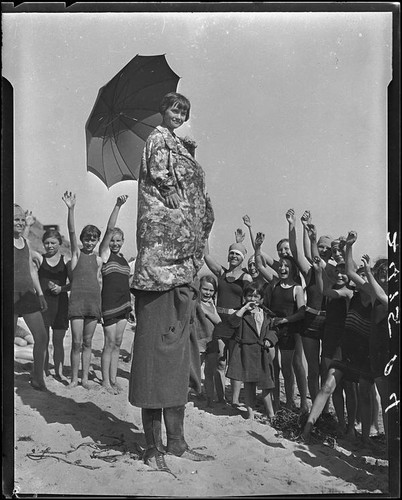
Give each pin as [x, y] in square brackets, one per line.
[124, 114]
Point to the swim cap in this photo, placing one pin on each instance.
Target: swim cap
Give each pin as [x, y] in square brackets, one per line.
[238, 248]
[325, 240]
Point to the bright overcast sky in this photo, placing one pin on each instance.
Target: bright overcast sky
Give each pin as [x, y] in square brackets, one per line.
[288, 110]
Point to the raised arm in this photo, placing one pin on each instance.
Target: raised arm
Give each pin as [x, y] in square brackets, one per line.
[350, 265]
[70, 200]
[104, 250]
[267, 271]
[212, 264]
[377, 291]
[301, 260]
[312, 236]
[267, 259]
[305, 220]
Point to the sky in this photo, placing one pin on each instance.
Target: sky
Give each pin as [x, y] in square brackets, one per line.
[289, 110]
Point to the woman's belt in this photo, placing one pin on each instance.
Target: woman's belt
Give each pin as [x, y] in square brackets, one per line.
[224, 310]
[315, 311]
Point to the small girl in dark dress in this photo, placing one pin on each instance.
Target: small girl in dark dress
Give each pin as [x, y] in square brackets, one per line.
[53, 274]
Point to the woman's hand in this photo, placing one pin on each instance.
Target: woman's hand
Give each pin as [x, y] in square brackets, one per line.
[306, 218]
[318, 264]
[29, 219]
[247, 220]
[43, 304]
[172, 200]
[290, 216]
[279, 321]
[351, 238]
[311, 232]
[239, 235]
[259, 240]
[121, 200]
[366, 263]
[55, 289]
[69, 199]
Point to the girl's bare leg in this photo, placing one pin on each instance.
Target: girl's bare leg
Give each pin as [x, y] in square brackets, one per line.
[89, 330]
[249, 398]
[236, 388]
[300, 373]
[288, 377]
[110, 337]
[58, 352]
[114, 361]
[312, 351]
[277, 389]
[351, 407]
[365, 388]
[77, 333]
[267, 399]
[35, 324]
[333, 378]
[220, 377]
[46, 368]
[209, 371]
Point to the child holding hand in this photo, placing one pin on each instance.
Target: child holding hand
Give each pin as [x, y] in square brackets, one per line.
[252, 357]
[84, 309]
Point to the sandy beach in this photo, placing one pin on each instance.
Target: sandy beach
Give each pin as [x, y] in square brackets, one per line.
[88, 442]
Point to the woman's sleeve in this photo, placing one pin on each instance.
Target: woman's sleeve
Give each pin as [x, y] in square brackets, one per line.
[158, 165]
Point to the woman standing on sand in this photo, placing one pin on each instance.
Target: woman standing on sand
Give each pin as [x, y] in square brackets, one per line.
[174, 219]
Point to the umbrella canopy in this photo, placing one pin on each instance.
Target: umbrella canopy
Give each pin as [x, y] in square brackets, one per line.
[124, 114]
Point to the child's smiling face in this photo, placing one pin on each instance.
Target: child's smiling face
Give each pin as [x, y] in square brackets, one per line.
[19, 222]
[207, 291]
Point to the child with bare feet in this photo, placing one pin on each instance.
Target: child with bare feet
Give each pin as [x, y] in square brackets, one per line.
[116, 300]
[29, 301]
[84, 309]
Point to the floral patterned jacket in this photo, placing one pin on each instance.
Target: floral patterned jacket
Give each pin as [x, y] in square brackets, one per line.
[170, 242]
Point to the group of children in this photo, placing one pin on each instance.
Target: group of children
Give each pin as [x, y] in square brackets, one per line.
[254, 321]
[89, 288]
[313, 301]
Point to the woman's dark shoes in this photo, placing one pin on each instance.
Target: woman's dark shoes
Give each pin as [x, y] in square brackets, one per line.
[156, 460]
[195, 456]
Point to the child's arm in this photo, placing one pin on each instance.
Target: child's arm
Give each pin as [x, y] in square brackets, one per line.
[377, 291]
[267, 272]
[301, 260]
[350, 267]
[70, 200]
[212, 264]
[104, 250]
[312, 235]
[213, 316]
[36, 283]
[267, 259]
[305, 220]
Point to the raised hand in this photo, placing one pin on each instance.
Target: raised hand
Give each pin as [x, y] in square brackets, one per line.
[121, 200]
[239, 235]
[351, 238]
[306, 217]
[290, 216]
[366, 263]
[311, 231]
[69, 199]
[29, 218]
[247, 220]
[259, 239]
[318, 264]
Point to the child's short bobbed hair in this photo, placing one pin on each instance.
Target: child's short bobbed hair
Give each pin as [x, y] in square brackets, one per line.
[90, 230]
[209, 278]
[280, 242]
[381, 262]
[52, 233]
[173, 98]
[117, 230]
[253, 287]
